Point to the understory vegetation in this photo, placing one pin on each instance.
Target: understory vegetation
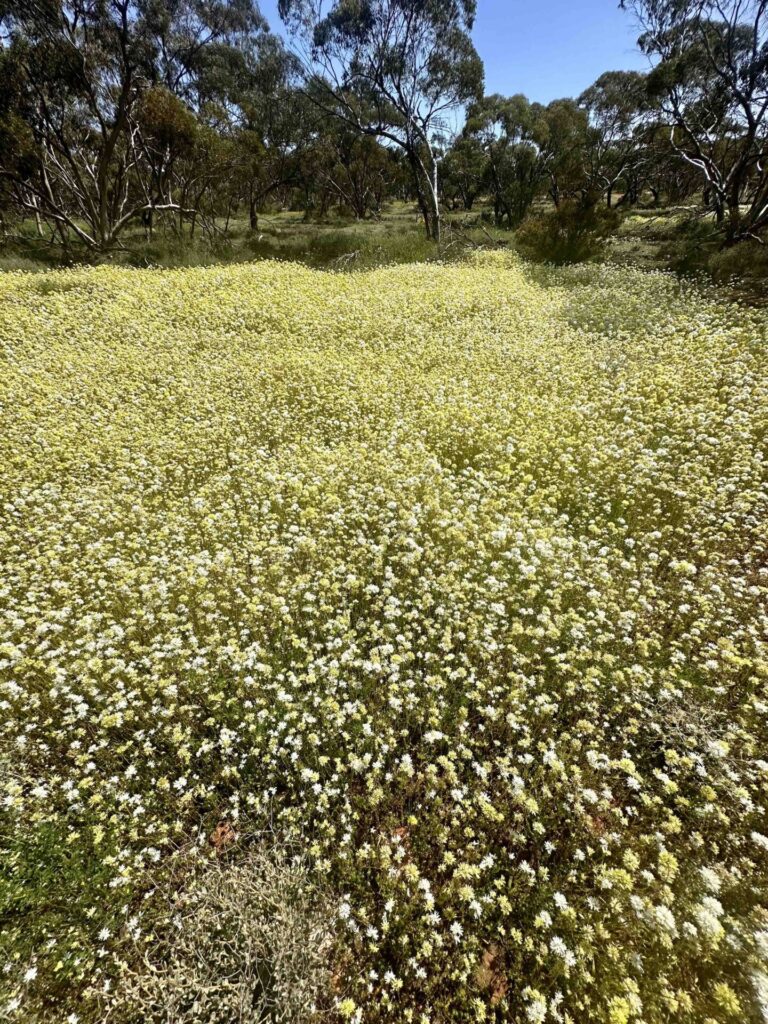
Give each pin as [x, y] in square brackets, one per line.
[426, 605]
[335, 242]
[679, 239]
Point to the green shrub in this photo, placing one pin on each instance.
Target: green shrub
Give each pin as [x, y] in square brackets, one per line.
[410, 246]
[362, 247]
[10, 262]
[570, 234]
[329, 245]
[745, 262]
[691, 245]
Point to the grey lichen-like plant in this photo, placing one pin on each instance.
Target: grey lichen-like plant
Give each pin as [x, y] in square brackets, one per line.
[248, 942]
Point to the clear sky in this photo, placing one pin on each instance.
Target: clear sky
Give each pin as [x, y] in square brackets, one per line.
[546, 49]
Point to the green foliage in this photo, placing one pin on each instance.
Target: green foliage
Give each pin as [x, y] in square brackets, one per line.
[395, 68]
[336, 242]
[745, 263]
[101, 103]
[708, 85]
[514, 136]
[463, 171]
[690, 244]
[45, 921]
[572, 233]
[351, 248]
[167, 123]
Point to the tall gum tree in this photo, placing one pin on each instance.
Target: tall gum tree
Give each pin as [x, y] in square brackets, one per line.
[393, 69]
[710, 81]
[79, 72]
[617, 105]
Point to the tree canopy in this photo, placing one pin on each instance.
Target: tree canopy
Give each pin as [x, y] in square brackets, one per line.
[186, 111]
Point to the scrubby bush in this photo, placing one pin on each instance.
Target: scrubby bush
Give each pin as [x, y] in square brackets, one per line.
[690, 245]
[747, 261]
[572, 233]
[346, 249]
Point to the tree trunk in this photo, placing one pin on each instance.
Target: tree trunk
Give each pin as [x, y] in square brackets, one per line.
[433, 222]
[733, 222]
[425, 181]
[38, 222]
[421, 197]
[435, 196]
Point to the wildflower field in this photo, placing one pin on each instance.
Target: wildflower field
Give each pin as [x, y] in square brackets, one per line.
[452, 577]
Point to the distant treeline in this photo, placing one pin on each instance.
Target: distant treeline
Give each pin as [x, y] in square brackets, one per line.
[118, 113]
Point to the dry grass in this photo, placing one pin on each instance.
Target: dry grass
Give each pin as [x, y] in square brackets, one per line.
[245, 942]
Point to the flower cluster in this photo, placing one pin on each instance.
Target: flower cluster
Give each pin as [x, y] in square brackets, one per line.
[456, 574]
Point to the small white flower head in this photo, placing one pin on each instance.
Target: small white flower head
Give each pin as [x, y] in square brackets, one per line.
[536, 1010]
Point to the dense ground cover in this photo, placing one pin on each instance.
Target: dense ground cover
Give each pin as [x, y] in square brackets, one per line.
[335, 242]
[456, 575]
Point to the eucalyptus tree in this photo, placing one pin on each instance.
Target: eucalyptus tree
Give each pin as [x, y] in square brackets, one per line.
[272, 122]
[514, 135]
[166, 139]
[464, 170]
[617, 106]
[567, 138]
[530, 149]
[80, 70]
[393, 69]
[710, 81]
[350, 169]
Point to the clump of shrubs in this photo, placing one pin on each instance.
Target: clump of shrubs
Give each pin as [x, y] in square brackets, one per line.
[344, 249]
[246, 942]
[745, 262]
[690, 245]
[572, 233]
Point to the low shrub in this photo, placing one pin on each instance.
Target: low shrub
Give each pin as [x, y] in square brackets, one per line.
[358, 248]
[570, 234]
[745, 262]
[690, 245]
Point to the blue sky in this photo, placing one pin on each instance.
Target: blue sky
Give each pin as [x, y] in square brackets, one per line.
[546, 49]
